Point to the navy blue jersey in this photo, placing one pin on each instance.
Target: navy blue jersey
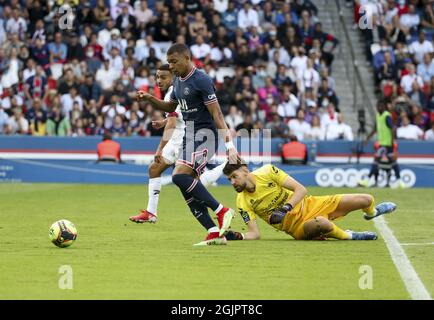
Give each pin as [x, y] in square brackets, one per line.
[193, 93]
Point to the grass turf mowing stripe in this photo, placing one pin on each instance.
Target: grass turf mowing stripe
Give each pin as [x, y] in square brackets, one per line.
[412, 282]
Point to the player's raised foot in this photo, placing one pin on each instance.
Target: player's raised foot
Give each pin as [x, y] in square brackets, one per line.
[364, 235]
[144, 216]
[212, 238]
[224, 218]
[380, 209]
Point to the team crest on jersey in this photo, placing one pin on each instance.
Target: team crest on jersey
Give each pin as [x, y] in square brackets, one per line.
[271, 185]
[186, 91]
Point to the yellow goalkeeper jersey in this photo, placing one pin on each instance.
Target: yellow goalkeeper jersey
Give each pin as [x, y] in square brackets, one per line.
[270, 195]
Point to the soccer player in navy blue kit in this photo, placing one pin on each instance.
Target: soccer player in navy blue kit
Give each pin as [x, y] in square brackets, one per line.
[194, 91]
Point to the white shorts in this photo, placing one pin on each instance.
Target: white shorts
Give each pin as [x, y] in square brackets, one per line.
[172, 150]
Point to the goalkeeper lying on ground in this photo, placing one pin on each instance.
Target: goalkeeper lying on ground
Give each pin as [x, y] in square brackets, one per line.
[283, 203]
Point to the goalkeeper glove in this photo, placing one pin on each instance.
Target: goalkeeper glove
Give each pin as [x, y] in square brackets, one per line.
[279, 214]
[233, 235]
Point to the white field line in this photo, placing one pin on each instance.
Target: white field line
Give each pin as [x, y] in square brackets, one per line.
[418, 244]
[412, 282]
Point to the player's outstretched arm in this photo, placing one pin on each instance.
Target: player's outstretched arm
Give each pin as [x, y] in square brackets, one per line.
[216, 112]
[299, 191]
[167, 106]
[251, 234]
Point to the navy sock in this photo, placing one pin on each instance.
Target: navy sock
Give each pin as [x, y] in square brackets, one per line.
[396, 169]
[196, 189]
[200, 211]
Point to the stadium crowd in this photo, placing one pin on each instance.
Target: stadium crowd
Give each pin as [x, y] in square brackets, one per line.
[271, 62]
[399, 46]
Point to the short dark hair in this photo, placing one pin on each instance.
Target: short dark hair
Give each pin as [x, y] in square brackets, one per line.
[179, 48]
[164, 67]
[231, 167]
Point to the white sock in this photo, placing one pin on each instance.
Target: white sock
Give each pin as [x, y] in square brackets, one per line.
[154, 189]
[213, 229]
[211, 176]
[165, 180]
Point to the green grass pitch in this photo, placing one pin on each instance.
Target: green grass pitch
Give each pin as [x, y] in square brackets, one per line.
[116, 259]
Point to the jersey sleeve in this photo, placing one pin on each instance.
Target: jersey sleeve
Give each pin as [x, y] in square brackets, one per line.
[245, 210]
[174, 114]
[172, 96]
[207, 90]
[275, 174]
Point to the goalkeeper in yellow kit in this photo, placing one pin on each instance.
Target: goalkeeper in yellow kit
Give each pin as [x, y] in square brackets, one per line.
[282, 202]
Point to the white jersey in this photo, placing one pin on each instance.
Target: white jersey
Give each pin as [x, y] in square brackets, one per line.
[178, 134]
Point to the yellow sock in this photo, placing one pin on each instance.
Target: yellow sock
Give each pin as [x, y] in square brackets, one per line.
[371, 209]
[338, 233]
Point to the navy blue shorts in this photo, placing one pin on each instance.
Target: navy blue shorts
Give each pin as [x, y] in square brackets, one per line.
[196, 153]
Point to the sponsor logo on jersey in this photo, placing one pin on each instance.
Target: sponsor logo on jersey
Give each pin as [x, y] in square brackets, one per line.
[212, 96]
[244, 215]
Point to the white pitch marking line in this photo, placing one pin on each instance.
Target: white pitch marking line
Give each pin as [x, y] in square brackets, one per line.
[418, 244]
[411, 280]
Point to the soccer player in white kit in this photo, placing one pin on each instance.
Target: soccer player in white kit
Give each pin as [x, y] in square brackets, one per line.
[168, 151]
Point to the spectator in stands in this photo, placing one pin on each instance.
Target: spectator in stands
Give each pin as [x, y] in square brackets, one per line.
[111, 110]
[419, 47]
[409, 21]
[288, 106]
[278, 128]
[429, 134]
[3, 119]
[316, 132]
[75, 49]
[109, 150]
[299, 127]
[58, 125]
[255, 53]
[106, 76]
[426, 69]
[408, 131]
[69, 99]
[35, 86]
[126, 21]
[339, 130]
[91, 90]
[201, 50]
[247, 17]
[234, 118]
[58, 49]
[37, 117]
[16, 24]
[17, 123]
[411, 82]
[325, 94]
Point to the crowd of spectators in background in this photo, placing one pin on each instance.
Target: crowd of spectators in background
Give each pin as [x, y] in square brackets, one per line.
[271, 62]
[400, 48]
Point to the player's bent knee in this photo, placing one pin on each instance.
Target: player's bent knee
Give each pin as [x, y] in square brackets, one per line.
[366, 200]
[156, 169]
[317, 227]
